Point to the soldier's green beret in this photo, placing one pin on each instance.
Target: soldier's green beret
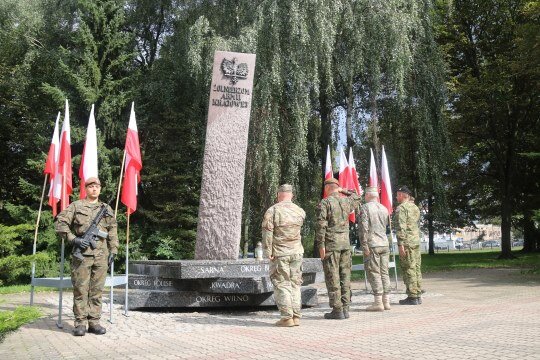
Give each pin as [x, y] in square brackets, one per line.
[372, 189]
[331, 181]
[285, 188]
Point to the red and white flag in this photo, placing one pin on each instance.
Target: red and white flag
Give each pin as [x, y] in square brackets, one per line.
[386, 187]
[373, 179]
[62, 180]
[343, 170]
[89, 159]
[133, 165]
[328, 173]
[354, 175]
[52, 164]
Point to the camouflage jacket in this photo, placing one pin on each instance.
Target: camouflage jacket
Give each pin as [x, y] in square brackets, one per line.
[332, 228]
[373, 222]
[281, 229]
[76, 219]
[406, 224]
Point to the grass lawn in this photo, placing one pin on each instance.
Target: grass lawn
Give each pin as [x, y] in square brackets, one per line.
[11, 320]
[15, 289]
[459, 260]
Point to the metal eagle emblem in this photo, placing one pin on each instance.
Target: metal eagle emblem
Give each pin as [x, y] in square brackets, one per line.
[233, 70]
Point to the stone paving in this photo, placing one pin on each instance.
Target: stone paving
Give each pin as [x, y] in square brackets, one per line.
[479, 314]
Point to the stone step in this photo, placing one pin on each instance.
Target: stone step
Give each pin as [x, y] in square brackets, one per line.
[139, 299]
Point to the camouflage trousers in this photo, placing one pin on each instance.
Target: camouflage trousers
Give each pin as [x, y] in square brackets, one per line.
[286, 276]
[377, 270]
[88, 279]
[410, 268]
[337, 275]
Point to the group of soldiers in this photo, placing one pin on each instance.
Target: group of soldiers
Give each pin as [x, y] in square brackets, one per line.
[281, 232]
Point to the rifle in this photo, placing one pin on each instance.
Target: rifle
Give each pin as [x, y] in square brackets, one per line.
[93, 232]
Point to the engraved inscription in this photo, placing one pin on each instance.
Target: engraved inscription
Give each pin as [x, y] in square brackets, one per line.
[212, 270]
[225, 285]
[254, 268]
[219, 298]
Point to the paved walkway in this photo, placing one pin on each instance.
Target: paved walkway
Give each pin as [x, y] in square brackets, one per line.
[480, 314]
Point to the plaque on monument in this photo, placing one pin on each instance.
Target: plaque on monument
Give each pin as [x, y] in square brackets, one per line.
[222, 187]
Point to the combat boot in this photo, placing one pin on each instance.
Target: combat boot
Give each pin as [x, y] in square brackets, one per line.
[386, 301]
[409, 301]
[79, 330]
[346, 313]
[377, 304]
[419, 300]
[335, 314]
[296, 320]
[97, 329]
[285, 323]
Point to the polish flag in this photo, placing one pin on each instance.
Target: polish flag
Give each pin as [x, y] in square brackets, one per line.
[386, 187]
[62, 180]
[89, 160]
[345, 178]
[133, 165]
[328, 174]
[373, 179]
[52, 164]
[354, 175]
[343, 171]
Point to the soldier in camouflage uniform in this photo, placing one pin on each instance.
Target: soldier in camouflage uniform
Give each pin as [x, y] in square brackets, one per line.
[332, 238]
[375, 245]
[406, 218]
[282, 244]
[88, 276]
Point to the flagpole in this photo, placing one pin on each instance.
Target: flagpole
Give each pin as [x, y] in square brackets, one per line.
[61, 289]
[393, 250]
[120, 184]
[127, 266]
[35, 241]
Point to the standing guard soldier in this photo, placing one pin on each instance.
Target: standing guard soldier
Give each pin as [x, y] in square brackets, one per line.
[376, 250]
[282, 244]
[332, 237]
[88, 264]
[406, 217]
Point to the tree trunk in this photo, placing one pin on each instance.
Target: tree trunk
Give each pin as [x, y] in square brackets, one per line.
[506, 224]
[374, 124]
[531, 235]
[431, 229]
[325, 138]
[349, 116]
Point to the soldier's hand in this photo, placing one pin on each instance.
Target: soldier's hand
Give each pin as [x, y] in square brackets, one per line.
[110, 260]
[81, 243]
[322, 253]
[271, 257]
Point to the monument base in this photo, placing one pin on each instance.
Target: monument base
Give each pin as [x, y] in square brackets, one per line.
[211, 283]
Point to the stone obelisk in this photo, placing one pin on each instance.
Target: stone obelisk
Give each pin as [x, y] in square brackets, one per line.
[222, 188]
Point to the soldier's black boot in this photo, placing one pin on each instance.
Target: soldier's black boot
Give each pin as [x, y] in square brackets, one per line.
[97, 329]
[335, 314]
[409, 301]
[79, 330]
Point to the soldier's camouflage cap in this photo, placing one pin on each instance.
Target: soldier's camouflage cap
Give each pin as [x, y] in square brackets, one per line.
[372, 189]
[404, 189]
[92, 180]
[331, 181]
[285, 188]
